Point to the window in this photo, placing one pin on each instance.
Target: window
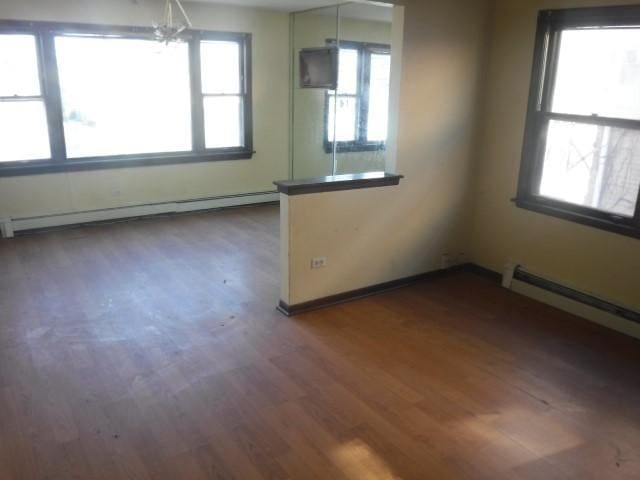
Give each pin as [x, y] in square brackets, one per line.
[23, 119]
[581, 155]
[221, 89]
[123, 96]
[357, 112]
[79, 96]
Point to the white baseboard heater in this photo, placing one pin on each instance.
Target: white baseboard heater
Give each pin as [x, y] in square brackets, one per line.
[8, 226]
[591, 307]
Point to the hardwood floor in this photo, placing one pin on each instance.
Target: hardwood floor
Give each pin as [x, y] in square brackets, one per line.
[152, 350]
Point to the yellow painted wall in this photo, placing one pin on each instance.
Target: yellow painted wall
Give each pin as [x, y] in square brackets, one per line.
[589, 259]
[36, 195]
[312, 29]
[381, 234]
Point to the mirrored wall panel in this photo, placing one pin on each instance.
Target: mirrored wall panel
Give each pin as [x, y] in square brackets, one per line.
[341, 79]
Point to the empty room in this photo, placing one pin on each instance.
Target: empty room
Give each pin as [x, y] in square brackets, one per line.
[314, 239]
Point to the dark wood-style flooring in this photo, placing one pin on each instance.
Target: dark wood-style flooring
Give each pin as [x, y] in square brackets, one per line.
[152, 350]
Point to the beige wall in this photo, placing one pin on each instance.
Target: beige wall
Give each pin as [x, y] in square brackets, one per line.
[312, 29]
[593, 260]
[381, 234]
[36, 195]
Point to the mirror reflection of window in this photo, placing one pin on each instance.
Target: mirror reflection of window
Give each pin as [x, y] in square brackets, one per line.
[378, 119]
[346, 99]
[357, 113]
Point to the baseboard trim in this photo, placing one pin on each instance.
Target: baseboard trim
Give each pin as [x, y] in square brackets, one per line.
[577, 308]
[581, 304]
[576, 295]
[483, 272]
[138, 211]
[291, 310]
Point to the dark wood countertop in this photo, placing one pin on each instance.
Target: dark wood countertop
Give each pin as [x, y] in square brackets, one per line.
[334, 183]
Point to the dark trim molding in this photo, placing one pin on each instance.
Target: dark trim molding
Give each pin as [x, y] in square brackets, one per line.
[519, 274]
[576, 295]
[34, 167]
[290, 310]
[354, 147]
[540, 113]
[482, 272]
[337, 182]
[575, 214]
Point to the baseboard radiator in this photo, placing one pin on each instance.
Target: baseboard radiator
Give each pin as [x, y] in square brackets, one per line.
[586, 305]
[8, 226]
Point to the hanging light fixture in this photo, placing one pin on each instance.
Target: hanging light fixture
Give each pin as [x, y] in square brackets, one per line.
[169, 30]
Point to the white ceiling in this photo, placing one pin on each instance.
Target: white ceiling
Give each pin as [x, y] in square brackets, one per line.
[286, 5]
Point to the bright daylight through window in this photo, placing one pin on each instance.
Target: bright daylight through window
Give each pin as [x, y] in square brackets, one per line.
[582, 150]
[361, 99]
[116, 96]
[124, 96]
[221, 87]
[23, 119]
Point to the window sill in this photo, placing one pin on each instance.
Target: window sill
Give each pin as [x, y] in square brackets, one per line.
[354, 147]
[35, 167]
[334, 183]
[568, 213]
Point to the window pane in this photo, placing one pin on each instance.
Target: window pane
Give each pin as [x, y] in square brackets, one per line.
[379, 98]
[348, 71]
[23, 131]
[599, 73]
[594, 166]
[220, 64]
[124, 96]
[18, 66]
[222, 120]
[345, 119]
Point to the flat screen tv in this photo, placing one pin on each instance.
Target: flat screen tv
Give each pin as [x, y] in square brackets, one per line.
[319, 68]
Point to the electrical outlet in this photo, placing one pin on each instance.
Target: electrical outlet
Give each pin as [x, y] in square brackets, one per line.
[318, 262]
[446, 261]
[462, 258]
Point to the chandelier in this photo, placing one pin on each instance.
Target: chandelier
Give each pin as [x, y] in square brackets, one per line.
[169, 30]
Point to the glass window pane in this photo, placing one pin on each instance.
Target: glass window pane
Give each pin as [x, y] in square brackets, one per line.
[379, 98]
[124, 96]
[348, 71]
[345, 120]
[594, 166]
[220, 64]
[222, 122]
[23, 131]
[599, 73]
[18, 66]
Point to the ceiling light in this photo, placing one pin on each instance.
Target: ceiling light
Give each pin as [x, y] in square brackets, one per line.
[169, 30]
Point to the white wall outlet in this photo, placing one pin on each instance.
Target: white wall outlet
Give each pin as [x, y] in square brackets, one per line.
[318, 262]
[446, 261]
[462, 258]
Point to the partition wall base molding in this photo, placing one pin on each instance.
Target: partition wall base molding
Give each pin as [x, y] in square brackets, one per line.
[291, 310]
[603, 312]
[11, 225]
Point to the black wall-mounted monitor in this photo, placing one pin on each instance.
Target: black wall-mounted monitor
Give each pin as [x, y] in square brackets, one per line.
[319, 68]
